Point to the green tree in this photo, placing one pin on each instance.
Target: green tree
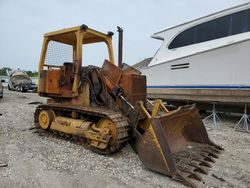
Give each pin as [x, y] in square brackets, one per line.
[3, 72]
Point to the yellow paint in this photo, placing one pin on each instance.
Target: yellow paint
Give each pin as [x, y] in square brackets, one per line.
[107, 127]
[42, 60]
[98, 138]
[157, 106]
[85, 95]
[45, 118]
[70, 125]
[77, 62]
[155, 112]
[76, 37]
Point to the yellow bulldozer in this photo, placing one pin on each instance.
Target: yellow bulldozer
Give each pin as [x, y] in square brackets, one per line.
[105, 108]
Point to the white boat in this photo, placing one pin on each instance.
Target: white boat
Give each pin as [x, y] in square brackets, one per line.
[206, 59]
[20, 81]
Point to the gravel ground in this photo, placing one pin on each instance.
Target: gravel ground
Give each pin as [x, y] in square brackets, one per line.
[47, 161]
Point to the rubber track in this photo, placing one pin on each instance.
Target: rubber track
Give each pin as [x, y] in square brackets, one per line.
[120, 121]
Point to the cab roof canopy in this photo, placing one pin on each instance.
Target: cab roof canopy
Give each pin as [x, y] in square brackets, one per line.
[68, 36]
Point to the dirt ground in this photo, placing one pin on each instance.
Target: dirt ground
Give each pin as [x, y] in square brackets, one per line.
[35, 160]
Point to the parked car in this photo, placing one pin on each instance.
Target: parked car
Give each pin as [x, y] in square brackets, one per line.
[1, 88]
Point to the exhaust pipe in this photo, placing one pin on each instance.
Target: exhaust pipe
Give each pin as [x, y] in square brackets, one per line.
[120, 46]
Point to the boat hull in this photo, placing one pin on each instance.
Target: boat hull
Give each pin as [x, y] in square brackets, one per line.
[220, 74]
[19, 80]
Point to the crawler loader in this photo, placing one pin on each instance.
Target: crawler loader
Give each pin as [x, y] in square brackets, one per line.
[106, 107]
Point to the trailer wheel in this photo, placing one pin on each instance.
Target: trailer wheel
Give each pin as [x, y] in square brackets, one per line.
[22, 89]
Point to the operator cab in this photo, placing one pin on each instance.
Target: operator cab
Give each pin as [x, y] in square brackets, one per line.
[61, 59]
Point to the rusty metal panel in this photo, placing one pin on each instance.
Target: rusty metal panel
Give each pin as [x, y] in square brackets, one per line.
[42, 81]
[112, 72]
[138, 89]
[52, 81]
[66, 80]
[130, 70]
[176, 144]
[134, 87]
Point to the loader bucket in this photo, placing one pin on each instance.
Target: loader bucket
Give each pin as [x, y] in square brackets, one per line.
[177, 145]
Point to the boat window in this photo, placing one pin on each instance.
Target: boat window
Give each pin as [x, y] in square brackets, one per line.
[239, 22]
[183, 39]
[205, 32]
[222, 27]
[248, 19]
[218, 28]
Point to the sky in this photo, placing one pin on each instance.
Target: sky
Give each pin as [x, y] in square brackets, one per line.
[24, 22]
